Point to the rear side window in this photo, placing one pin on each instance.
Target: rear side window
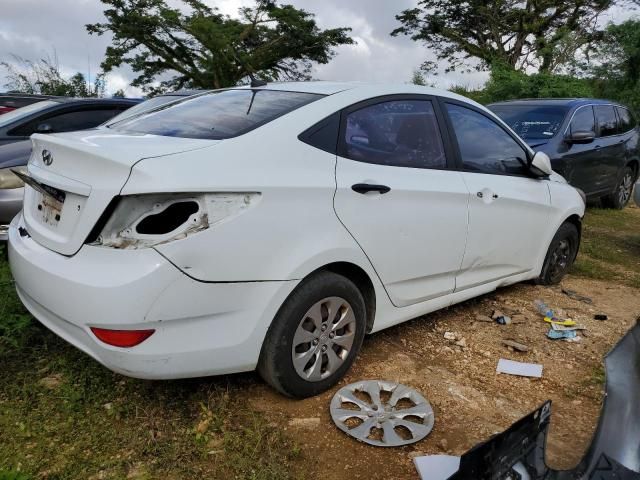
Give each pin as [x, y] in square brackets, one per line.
[627, 122]
[607, 121]
[583, 120]
[484, 146]
[216, 115]
[401, 133]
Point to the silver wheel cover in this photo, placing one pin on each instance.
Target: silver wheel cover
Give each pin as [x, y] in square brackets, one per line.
[324, 338]
[406, 417]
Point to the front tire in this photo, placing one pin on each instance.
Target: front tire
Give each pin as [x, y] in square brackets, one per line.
[621, 195]
[315, 336]
[561, 255]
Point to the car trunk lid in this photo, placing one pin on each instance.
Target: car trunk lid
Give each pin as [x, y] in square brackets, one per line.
[75, 176]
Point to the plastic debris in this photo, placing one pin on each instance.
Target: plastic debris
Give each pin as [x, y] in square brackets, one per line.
[561, 334]
[601, 316]
[519, 368]
[550, 316]
[576, 296]
[501, 318]
[564, 328]
[521, 347]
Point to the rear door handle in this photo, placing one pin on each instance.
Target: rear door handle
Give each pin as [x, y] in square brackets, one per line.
[368, 187]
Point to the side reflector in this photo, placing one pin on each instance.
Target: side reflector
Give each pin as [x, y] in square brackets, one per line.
[122, 338]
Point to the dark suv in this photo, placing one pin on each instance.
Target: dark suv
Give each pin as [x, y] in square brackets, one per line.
[592, 143]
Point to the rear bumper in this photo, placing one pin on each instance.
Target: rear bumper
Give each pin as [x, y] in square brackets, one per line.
[200, 328]
[10, 206]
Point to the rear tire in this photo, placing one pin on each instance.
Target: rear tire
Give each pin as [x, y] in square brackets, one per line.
[621, 195]
[561, 254]
[315, 336]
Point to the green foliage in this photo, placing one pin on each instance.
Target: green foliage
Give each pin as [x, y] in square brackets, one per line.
[418, 78]
[616, 73]
[44, 77]
[521, 34]
[204, 49]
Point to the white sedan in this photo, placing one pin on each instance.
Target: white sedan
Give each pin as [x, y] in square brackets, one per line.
[273, 227]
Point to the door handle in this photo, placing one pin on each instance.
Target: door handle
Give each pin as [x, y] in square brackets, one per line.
[368, 187]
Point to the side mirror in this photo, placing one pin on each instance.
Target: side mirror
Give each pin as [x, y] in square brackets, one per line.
[44, 128]
[541, 164]
[581, 136]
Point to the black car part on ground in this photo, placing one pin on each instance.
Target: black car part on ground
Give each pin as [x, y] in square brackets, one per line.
[614, 454]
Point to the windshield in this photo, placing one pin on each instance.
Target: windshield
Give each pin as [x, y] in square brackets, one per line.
[216, 115]
[532, 122]
[22, 112]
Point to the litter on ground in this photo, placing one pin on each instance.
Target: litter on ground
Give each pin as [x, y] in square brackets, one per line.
[518, 368]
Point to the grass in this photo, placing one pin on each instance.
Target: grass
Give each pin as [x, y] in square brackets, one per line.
[610, 247]
[64, 416]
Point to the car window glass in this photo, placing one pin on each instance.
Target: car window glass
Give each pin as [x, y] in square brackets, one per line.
[627, 122]
[216, 115]
[583, 120]
[485, 147]
[531, 122]
[607, 121]
[68, 121]
[23, 112]
[402, 133]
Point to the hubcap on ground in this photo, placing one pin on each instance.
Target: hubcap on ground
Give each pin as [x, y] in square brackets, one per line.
[625, 189]
[323, 339]
[380, 413]
[560, 258]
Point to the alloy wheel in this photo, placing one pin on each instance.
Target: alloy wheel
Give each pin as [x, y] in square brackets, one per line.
[323, 339]
[560, 258]
[625, 188]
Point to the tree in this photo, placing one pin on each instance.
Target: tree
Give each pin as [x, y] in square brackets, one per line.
[418, 78]
[44, 77]
[540, 34]
[203, 48]
[615, 66]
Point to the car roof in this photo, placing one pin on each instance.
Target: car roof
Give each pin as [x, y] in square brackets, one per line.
[560, 102]
[95, 101]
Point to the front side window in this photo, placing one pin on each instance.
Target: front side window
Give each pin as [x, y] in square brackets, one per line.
[583, 120]
[627, 122]
[532, 122]
[484, 146]
[607, 121]
[401, 133]
[216, 115]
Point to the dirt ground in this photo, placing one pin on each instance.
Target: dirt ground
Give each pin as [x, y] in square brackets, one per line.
[470, 400]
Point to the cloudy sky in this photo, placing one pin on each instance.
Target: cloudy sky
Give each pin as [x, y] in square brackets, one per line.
[35, 29]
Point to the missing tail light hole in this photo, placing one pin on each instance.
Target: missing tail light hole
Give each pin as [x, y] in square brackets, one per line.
[168, 219]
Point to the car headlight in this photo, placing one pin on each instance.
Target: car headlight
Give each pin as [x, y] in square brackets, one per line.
[140, 221]
[9, 180]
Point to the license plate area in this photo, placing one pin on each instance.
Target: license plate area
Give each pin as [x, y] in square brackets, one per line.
[50, 203]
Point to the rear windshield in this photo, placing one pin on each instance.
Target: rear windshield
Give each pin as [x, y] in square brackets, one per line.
[532, 122]
[216, 115]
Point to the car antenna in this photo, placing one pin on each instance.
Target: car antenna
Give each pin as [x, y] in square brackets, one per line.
[256, 82]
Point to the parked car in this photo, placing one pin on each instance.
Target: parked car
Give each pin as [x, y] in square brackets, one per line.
[66, 114]
[592, 143]
[57, 115]
[636, 195]
[273, 227]
[11, 100]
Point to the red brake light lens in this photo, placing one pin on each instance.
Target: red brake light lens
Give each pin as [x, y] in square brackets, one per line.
[122, 338]
[6, 109]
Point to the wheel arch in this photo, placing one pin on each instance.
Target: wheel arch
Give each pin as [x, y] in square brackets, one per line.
[361, 280]
[635, 165]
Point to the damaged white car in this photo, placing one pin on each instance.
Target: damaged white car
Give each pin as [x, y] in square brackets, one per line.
[273, 227]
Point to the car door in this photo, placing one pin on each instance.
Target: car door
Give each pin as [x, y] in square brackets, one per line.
[508, 209]
[610, 146]
[581, 161]
[398, 198]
